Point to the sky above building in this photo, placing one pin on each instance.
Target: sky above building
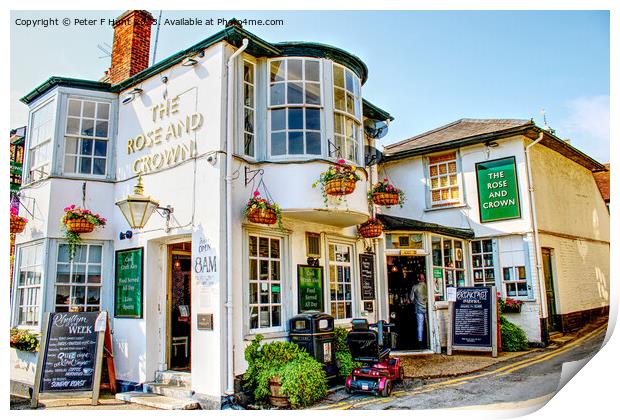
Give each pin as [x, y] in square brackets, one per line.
[426, 68]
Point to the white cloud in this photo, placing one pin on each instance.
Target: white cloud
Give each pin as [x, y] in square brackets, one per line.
[587, 125]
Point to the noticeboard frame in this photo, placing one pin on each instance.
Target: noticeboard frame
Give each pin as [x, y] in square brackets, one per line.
[322, 283]
[116, 253]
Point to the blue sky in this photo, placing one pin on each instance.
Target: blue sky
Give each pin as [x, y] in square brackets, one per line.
[426, 68]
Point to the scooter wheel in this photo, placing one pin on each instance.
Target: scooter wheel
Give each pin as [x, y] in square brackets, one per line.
[387, 389]
[401, 374]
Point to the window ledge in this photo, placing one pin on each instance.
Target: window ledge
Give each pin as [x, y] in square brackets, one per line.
[454, 206]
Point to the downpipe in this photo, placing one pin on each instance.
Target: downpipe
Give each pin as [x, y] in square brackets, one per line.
[230, 125]
[537, 255]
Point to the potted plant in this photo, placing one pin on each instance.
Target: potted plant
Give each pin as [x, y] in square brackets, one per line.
[385, 194]
[261, 210]
[510, 306]
[338, 180]
[24, 340]
[18, 223]
[371, 228]
[77, 221]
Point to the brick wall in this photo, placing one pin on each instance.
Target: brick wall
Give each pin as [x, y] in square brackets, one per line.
[131, 46]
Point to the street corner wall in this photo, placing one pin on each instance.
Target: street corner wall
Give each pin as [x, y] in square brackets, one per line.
[581, 273]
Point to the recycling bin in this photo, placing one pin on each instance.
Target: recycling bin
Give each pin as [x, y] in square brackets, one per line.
[314, 332]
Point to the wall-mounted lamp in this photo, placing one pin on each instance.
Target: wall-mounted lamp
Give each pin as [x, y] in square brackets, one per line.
[131, 95]
[125, 235]
[492, 144]
[189, 61]
[138, 208]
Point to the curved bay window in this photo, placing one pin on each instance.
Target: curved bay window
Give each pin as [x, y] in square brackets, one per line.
[295, 107]
[347, 115]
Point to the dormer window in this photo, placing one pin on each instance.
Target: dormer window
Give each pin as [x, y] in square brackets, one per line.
[295, 107]
[86, 137]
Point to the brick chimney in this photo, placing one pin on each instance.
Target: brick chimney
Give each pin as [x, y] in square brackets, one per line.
[131, 46]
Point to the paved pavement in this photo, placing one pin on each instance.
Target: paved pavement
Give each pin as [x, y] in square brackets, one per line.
[533, 377]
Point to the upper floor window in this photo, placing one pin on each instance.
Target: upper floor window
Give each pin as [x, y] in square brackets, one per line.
[443, 180]
[41, 128]
[347, 115]
[295, 113]
[249, 109]
[86, 137]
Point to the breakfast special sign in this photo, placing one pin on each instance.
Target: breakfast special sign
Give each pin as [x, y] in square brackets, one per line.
[498, 190]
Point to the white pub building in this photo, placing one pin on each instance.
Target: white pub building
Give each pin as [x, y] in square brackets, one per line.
[487, 202]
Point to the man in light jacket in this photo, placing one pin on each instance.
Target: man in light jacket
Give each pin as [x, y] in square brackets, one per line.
[419, 297]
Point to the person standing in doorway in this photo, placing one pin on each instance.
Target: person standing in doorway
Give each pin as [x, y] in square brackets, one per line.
[419, 297]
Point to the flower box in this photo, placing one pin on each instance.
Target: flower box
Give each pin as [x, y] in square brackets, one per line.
[79, 226]
[340, 186]
[263, 216]
[370, 229]
[512, 309]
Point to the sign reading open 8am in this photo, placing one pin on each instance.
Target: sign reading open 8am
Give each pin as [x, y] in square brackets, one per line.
[128, 293]
[498, 190]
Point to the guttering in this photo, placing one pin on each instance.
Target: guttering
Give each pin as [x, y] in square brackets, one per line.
[538, 257]
[230, 126]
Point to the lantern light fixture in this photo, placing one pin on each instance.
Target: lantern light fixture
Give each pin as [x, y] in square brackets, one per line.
[137, 208]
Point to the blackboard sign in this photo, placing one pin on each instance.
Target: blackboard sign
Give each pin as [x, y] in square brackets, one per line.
[310, 288]
[367, 276]
[473, 320]
[128, 284]
[70, 352]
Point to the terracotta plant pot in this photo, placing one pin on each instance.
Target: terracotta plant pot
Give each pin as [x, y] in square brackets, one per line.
[385, 199]
[276, 398]
[17, 225]
[340, 186]
[79, 226]
[263, 216]
[370, 230]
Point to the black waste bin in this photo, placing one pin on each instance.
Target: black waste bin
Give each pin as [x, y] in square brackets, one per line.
[314, 331]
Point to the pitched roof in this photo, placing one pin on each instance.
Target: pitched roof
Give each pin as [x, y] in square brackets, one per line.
[602, 181]
[462, 129]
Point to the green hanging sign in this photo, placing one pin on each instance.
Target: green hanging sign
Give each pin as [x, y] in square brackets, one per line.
[498, 190]
[129, 284]
[310, 288]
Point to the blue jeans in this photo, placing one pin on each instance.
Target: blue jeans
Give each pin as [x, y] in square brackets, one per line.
[421, 318]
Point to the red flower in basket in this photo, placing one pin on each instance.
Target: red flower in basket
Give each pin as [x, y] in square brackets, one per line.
[77, 221]
[385, 194]
[260, 210]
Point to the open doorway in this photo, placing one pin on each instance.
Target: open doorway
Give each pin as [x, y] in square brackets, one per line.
[179, 306]
[403, 273]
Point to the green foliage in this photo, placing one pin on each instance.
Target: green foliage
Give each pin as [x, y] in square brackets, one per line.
[24, 340]
[340, 335]
[513, 337]
[344, 360]
[303, 379]
[339, 170]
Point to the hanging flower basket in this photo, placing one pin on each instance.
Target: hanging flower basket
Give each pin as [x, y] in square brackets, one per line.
[385, 194]
[340, 186]
[339, 180]
[77, 221]
[372, 228]
[18, 223]
[80, 226]
[261, 210]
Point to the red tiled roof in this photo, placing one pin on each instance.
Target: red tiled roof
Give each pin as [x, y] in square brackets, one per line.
[602, 181]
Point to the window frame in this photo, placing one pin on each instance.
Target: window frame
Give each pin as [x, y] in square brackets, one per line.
[79, 137]
[285, 299]
[435, 205]
[303, 106]
[246, 59]
[334, 240]
[344, 114]
[17, 319]
[446, 268]
[53, 104]
[483, 268]
[86, 285]
[515, 279]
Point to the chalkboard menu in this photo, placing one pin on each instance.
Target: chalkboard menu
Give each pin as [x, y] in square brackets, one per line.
[310, 288]
[70, 352]
[367, 276]
[128, 290]
[473, 319]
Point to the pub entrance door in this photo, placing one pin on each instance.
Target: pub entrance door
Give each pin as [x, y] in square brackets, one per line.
[179, 306]
[403, 274]
[552, 318]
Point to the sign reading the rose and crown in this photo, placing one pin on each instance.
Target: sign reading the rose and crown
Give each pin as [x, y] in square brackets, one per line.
[498, 190]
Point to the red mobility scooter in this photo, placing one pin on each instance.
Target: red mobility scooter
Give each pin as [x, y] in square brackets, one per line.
[370, 345]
